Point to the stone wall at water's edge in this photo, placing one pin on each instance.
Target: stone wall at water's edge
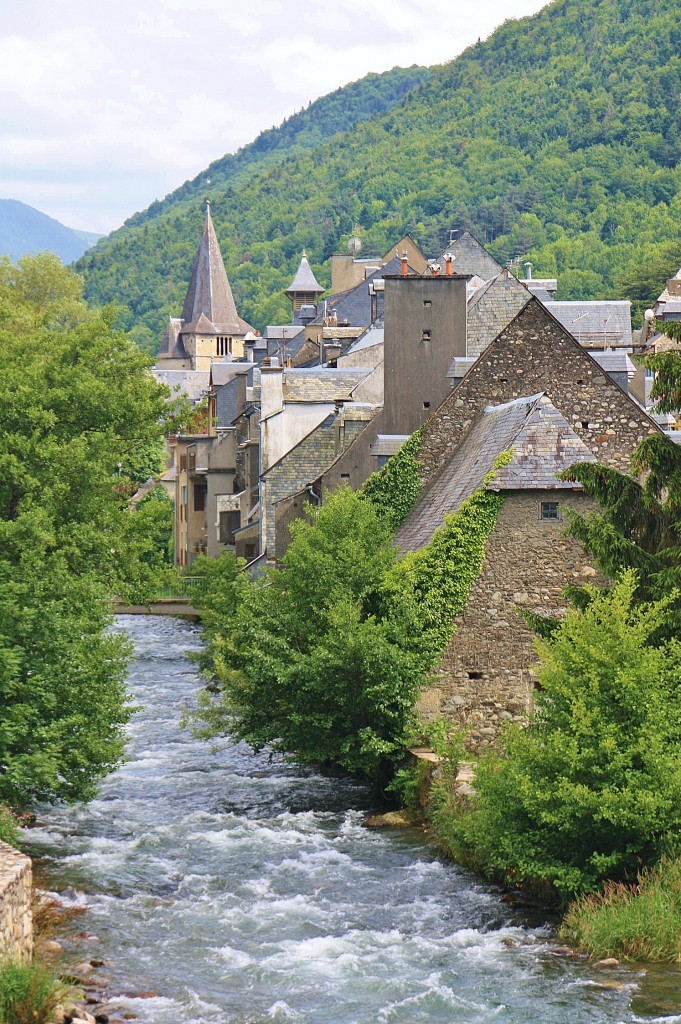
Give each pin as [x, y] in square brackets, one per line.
[16, 924]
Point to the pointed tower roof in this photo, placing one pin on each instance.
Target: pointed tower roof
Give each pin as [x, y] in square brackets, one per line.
[209, 291]
[304, 281]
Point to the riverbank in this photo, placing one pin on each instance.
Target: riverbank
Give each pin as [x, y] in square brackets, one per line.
[224, 886]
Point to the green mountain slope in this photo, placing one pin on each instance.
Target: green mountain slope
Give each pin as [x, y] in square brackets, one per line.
[557, 139]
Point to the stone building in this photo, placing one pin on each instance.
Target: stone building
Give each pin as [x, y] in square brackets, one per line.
[575, 411]
[210, 327]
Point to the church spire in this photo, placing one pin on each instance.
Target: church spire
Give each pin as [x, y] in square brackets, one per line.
[209, 291]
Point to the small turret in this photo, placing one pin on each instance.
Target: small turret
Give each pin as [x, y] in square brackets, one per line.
[304, 289]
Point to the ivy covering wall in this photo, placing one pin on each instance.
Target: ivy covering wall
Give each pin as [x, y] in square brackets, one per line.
[395, 489]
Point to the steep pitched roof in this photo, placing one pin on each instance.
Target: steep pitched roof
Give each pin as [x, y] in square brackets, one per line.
[471, 257]
[491, 308]
[172, 346]
[603, 322]
[209, 291]
[304, 281]
[543, 445]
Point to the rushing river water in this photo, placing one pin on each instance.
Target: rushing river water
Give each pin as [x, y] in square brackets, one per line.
[240, 889]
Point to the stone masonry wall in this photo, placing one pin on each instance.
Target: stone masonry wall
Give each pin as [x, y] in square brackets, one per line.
[536, 354]
[487, 674]
[16, 922]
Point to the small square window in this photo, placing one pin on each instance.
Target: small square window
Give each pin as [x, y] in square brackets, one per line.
[549, 510]
[427, 336]
[426, 405]
[427, 303]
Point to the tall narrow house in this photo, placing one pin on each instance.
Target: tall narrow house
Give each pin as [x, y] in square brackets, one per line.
[210, 327]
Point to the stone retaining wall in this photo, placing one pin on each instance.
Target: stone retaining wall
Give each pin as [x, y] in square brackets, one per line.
[16, 919]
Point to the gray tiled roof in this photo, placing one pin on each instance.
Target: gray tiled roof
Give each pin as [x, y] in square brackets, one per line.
[491, 309]
[304, 280]
[545, 445]
[388, 444]
[601, 323]
[209, 291]
[471, 257]
[322, 384]
[542, 442]
[373, 336]
[192, 383]
[172, 346]
[614, 362]
[353, 305]
[223, 371]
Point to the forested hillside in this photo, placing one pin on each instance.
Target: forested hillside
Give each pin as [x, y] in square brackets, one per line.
[558, 138]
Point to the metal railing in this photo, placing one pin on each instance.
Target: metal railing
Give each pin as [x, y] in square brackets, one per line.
[188, 586]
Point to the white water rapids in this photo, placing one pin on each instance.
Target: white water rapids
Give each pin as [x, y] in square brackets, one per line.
[228, 888]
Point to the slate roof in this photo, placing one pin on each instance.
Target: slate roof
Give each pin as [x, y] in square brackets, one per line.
[601, 323]
[172, 346]
[545, 446]
[304, 280]
[388, 444]
[542, 442]
[353, 305]
[471, 257]
[222, 372]
[192, 383]
[491, 308]
[373, 336]
[614, 362]
[322, 384]
[209, 290]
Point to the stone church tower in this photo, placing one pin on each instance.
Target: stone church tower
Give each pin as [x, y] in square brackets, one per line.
[210, 327]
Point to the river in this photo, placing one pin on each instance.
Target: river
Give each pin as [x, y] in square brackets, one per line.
[225, 887]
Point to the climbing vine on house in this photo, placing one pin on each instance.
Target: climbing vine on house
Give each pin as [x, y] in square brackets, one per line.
[441, 575]
[323, 658]
[395, 488]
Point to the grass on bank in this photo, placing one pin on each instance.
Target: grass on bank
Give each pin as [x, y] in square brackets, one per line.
[631, 922]
[29, 993]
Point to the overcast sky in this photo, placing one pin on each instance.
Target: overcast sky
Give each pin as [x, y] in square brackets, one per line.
[106, 106]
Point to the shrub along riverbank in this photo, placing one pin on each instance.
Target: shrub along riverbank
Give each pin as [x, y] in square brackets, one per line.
[323, 658]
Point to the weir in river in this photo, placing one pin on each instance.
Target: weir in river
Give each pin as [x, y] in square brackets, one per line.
[227, 887]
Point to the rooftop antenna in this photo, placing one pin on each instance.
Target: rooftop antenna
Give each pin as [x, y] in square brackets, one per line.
[579, 329]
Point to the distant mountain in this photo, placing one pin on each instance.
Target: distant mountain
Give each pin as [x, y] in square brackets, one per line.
[557, 139]
[26, 230]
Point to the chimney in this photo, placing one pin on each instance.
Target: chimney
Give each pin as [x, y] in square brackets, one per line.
[449, 259]
[271, 388]
[528, 271]
[405, 264]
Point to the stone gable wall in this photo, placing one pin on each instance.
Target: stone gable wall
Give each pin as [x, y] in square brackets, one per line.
[16, 922]
[535, 354]
[487, 674]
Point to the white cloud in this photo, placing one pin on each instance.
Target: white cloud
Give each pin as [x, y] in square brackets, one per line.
[105, 107]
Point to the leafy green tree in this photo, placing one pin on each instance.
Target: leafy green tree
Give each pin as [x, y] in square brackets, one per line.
[76, 402]
[592, 787]
[639, 522]
[313, 658]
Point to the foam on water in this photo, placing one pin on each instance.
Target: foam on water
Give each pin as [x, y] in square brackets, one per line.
[240, 889]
